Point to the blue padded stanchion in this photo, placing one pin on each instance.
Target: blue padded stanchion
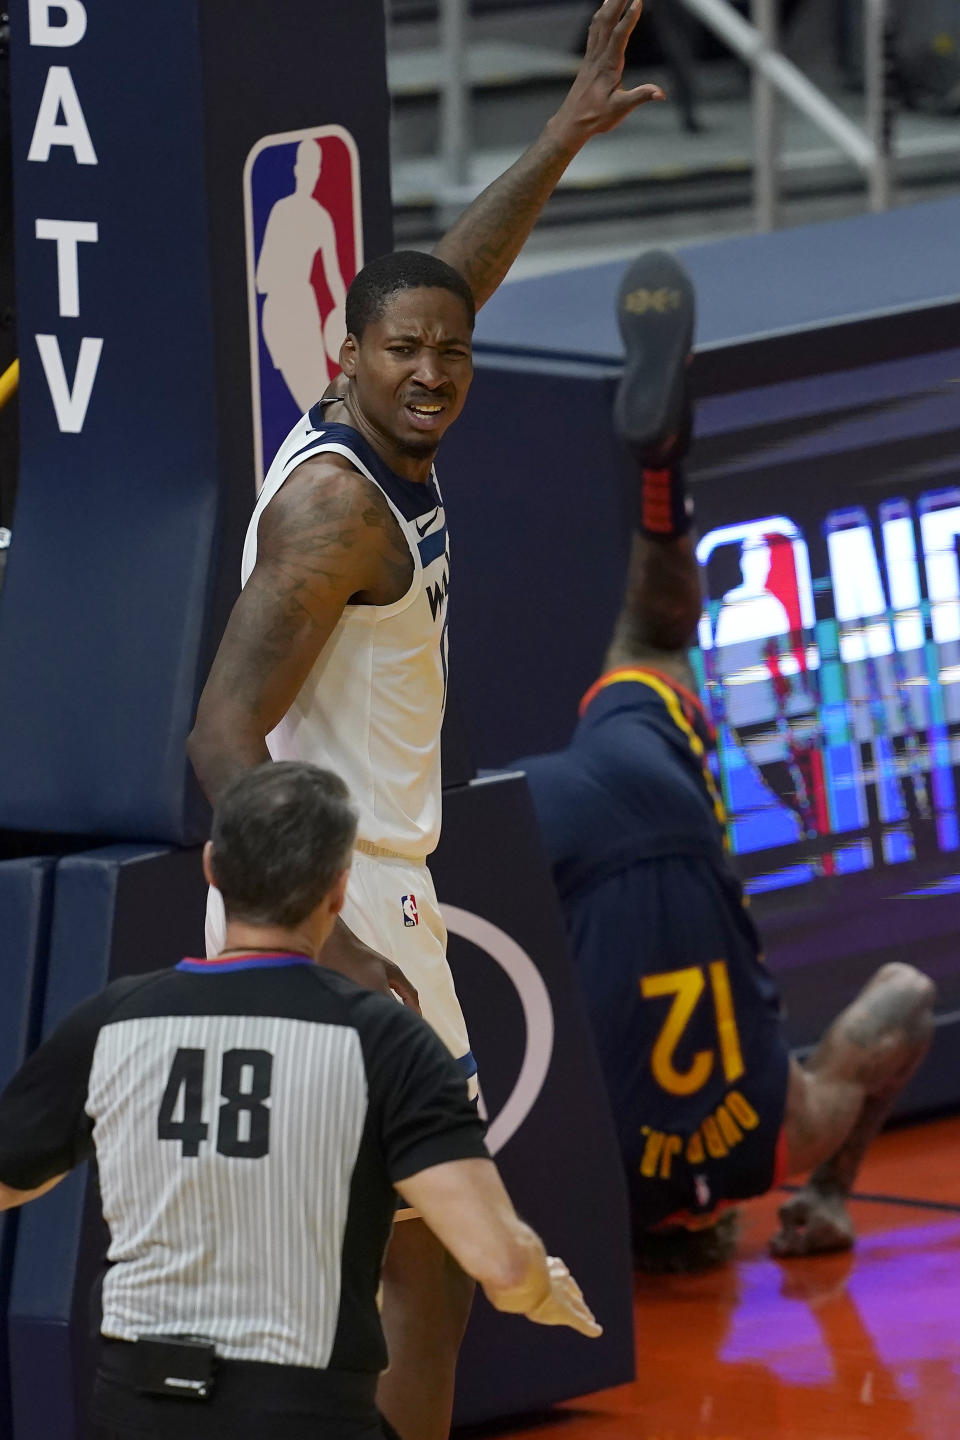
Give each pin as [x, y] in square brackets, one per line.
[550, 1125]
[26, 893]
[138, 445]
[25, 897]
[125, 909]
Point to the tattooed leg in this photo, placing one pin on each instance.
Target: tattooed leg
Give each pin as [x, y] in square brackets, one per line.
[839, 1101]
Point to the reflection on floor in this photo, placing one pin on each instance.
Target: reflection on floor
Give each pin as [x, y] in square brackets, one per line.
[831, 1348]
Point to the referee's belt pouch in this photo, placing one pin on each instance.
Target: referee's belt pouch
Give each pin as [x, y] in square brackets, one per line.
[182, 1367]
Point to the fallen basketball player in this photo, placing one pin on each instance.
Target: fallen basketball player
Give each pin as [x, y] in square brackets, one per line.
[710, 1106]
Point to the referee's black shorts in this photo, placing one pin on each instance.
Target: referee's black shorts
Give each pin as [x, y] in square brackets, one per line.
[251, 1401]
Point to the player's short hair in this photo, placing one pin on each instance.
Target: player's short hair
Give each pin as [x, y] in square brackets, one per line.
[281, 835]
[676, 1250]
[386, 276]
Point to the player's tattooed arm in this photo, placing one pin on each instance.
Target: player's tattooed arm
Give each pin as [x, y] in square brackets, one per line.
[661, 607]
[326, 539]
[489, 236]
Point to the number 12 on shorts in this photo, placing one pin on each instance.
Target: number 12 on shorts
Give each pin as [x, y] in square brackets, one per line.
[243, 1120]
[687, 987]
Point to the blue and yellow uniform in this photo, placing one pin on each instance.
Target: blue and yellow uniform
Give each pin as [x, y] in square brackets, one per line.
[685, 1013]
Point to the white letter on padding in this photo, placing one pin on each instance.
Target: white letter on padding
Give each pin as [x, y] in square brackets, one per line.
[68, 234]
[71, 32]
[69, 403]
[58, 93]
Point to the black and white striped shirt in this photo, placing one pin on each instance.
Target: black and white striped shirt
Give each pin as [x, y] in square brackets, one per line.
[250, 1118]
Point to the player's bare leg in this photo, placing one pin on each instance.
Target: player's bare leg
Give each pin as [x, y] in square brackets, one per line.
[653, 417]
[838, 1101]
[426, 1305]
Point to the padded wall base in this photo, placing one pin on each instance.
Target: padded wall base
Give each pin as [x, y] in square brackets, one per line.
[550, 1128]
[26, 890]
[126, 909]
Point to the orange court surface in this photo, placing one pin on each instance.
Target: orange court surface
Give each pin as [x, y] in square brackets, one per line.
[831, 1348]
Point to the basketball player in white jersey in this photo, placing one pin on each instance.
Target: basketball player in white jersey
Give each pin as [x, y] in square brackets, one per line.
[373, 698]
[336, 650]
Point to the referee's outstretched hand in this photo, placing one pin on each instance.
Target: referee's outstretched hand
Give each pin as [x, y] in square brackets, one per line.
[564, 1304]
[596, 100]
[349, 956]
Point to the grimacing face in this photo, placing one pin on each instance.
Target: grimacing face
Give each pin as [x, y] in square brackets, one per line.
[412, 367]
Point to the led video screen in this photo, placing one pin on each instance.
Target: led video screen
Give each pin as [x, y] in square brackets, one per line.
[828, 513]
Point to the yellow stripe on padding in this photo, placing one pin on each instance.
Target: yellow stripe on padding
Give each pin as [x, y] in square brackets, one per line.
[669, 698]
[9, 381]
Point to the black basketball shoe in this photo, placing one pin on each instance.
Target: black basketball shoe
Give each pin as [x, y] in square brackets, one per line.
[652, 411]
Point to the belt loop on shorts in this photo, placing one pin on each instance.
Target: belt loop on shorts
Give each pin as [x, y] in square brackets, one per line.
[380, 852]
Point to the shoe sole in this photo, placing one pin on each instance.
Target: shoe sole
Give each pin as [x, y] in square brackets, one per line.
[656, 308]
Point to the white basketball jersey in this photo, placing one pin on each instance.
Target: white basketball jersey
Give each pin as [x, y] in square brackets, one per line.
[372, 706]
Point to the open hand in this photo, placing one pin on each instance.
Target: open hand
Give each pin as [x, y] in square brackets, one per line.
[596, 101]
[564, 1304]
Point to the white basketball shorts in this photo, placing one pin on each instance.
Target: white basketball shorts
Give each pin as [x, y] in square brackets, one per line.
[391, 906]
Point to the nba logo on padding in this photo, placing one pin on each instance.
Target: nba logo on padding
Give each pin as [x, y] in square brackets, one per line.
[304, 246]
[408, 904]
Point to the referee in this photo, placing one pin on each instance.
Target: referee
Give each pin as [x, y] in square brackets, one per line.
[253, 1117]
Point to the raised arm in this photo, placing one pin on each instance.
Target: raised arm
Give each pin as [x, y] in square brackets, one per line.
[465, 1204]
[490, 234]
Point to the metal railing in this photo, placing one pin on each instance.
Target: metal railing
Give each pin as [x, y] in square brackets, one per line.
[870, 148]
[454, 96]
[775, 77]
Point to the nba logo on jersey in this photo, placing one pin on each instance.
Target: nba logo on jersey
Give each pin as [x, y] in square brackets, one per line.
[408, 904]
[304, 237]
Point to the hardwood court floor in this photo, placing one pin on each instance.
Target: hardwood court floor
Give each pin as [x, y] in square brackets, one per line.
[832, 1348]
